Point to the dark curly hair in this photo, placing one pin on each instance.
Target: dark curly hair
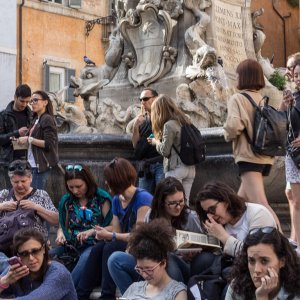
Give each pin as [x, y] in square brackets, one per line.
[223, 193]
[152, 240]
[289, 274]
[166, 187]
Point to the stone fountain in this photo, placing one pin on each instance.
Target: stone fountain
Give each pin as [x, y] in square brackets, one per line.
[187, 49]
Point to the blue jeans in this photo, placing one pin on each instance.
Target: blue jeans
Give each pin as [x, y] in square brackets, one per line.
[157, 174]
[4, 266]
[39, 179]
[96, 271]
[77, 271]
[121, 268]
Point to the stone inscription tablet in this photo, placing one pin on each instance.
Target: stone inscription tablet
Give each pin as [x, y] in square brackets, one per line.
[227, 31]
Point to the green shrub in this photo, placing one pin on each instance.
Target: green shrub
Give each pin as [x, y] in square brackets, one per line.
[278, 80]
[293, 3]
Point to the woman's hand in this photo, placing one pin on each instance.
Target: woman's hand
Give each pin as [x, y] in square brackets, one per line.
[60, 238]
[102, 233]
[27, 204]
[15, 273]
[22, 140]
[215, 229]
[268, 284]
[296, 142]
[152, 141]
[84, 235]
[8, 206]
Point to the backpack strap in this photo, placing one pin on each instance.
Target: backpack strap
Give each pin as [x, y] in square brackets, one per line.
[256, 107]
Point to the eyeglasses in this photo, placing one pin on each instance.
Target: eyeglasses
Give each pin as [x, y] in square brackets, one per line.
[145, 98]
[19, 167]
[35, 100]
[147, 271]
[34, 252]
[212, 209]
[174, 204]
[75, 168]
[266, 230]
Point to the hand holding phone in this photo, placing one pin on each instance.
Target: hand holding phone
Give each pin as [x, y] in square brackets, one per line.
[15, 261]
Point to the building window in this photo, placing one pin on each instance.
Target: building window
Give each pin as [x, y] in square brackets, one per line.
[75, 3]
[58, 78]
[55, 1]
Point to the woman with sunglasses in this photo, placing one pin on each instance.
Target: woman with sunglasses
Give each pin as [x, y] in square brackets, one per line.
[32, 275]
[23, 195]
[129, 207]
[169, 203]
[267, 268]
[42, 140]
[83, 207]
[227, 217]
[167, 120]
[150, 244]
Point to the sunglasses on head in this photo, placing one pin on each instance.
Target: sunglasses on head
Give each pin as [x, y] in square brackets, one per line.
[75, 168]
[112, 163]
[19, 167]
[265, 230]
[145, 98]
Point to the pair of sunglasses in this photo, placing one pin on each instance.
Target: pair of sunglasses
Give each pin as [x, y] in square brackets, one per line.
[265, 230]
[19, 167]
[75, 168]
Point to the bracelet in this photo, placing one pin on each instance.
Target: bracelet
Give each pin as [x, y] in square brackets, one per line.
[3, 286]
[30, 139]
[114, 236]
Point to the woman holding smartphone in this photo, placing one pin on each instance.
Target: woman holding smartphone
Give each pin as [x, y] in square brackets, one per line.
[129, 206]
[167, 120]
[42, 140]
[83, 207]
[267, 268]
[32, 275]
[291, 103]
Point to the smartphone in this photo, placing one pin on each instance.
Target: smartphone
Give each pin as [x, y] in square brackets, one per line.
[14, 261]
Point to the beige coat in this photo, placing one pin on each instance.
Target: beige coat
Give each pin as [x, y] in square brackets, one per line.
[171, 136]
[240, 116]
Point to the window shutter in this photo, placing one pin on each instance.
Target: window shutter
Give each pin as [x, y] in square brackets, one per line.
[46, 77]
[75, 3]
[70, 97]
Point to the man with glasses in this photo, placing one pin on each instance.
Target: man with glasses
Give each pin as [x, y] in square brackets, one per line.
[14, 122]
[150, 170]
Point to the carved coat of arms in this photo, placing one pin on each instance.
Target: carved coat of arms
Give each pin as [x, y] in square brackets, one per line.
[149, 40]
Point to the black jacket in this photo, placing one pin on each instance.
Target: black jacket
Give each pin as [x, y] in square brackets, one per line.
[295, 119]
[9, 128]
[46, 130]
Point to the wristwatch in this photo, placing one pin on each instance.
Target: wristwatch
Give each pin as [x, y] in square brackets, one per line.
[30, 139]
[114, 236]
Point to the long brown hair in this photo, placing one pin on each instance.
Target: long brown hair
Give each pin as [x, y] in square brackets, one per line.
[164, 109]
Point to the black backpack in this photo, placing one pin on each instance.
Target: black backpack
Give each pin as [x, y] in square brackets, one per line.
[192, 145]
[270, 129]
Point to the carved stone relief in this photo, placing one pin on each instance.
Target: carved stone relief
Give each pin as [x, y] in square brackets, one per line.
[150, 56]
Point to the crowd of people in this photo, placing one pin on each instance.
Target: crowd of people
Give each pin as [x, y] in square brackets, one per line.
[124, 235]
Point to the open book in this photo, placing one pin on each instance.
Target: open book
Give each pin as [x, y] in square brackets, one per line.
[191, 241]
